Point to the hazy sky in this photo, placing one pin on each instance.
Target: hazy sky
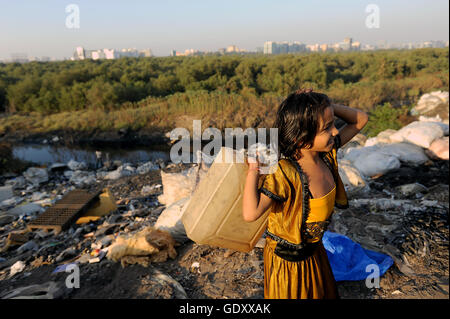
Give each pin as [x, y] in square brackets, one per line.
[38, 27]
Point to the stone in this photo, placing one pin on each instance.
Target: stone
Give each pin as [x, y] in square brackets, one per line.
[36, 175]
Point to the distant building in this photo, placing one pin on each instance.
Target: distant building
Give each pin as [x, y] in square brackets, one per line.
[270, 47]
[81, 54]
[19, 58]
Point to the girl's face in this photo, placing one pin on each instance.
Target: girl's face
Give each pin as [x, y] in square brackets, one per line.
[324, 140]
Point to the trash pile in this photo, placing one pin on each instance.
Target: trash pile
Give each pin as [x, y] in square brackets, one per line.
[130, 241]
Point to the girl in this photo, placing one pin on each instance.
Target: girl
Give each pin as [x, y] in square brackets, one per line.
[301, 194]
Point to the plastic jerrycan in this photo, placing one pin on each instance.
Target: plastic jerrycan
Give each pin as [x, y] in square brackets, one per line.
[213, 216]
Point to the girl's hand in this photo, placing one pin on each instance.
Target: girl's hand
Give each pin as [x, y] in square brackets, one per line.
[253, 164]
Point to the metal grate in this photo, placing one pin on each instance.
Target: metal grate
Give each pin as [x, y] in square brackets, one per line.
[65, 211]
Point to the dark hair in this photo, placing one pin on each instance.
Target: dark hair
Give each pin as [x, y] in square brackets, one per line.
[298, 120]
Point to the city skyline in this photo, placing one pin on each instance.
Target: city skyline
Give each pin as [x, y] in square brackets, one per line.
[39, 29]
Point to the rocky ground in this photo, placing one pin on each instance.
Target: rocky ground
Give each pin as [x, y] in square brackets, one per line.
[410, 223]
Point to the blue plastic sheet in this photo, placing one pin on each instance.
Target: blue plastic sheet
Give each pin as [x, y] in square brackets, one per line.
[349, 261]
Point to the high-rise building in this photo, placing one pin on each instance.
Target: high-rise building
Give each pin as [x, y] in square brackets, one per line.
[270, 47]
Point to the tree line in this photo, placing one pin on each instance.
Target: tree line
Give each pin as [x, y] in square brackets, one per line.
[356, 78]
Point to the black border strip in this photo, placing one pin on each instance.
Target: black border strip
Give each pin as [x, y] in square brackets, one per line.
[269, 194]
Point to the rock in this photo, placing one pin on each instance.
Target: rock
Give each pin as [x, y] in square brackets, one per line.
[410, 189]
[6, 193]
[19, 266]
[419, 133]
[170, 220]
[6, 219]
[74, 165]
[36, 175]
[439, 149]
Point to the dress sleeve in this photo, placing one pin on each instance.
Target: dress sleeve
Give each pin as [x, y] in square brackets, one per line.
[275, 186]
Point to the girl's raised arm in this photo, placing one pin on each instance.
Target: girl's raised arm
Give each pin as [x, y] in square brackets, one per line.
[254, 204]
[355, 119]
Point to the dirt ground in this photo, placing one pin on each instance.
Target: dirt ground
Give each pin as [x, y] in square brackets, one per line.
[207, 272]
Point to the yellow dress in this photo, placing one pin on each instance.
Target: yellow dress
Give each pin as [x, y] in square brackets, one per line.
[312, 277]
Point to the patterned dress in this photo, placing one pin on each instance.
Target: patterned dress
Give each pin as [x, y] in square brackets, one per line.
[297, 221]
